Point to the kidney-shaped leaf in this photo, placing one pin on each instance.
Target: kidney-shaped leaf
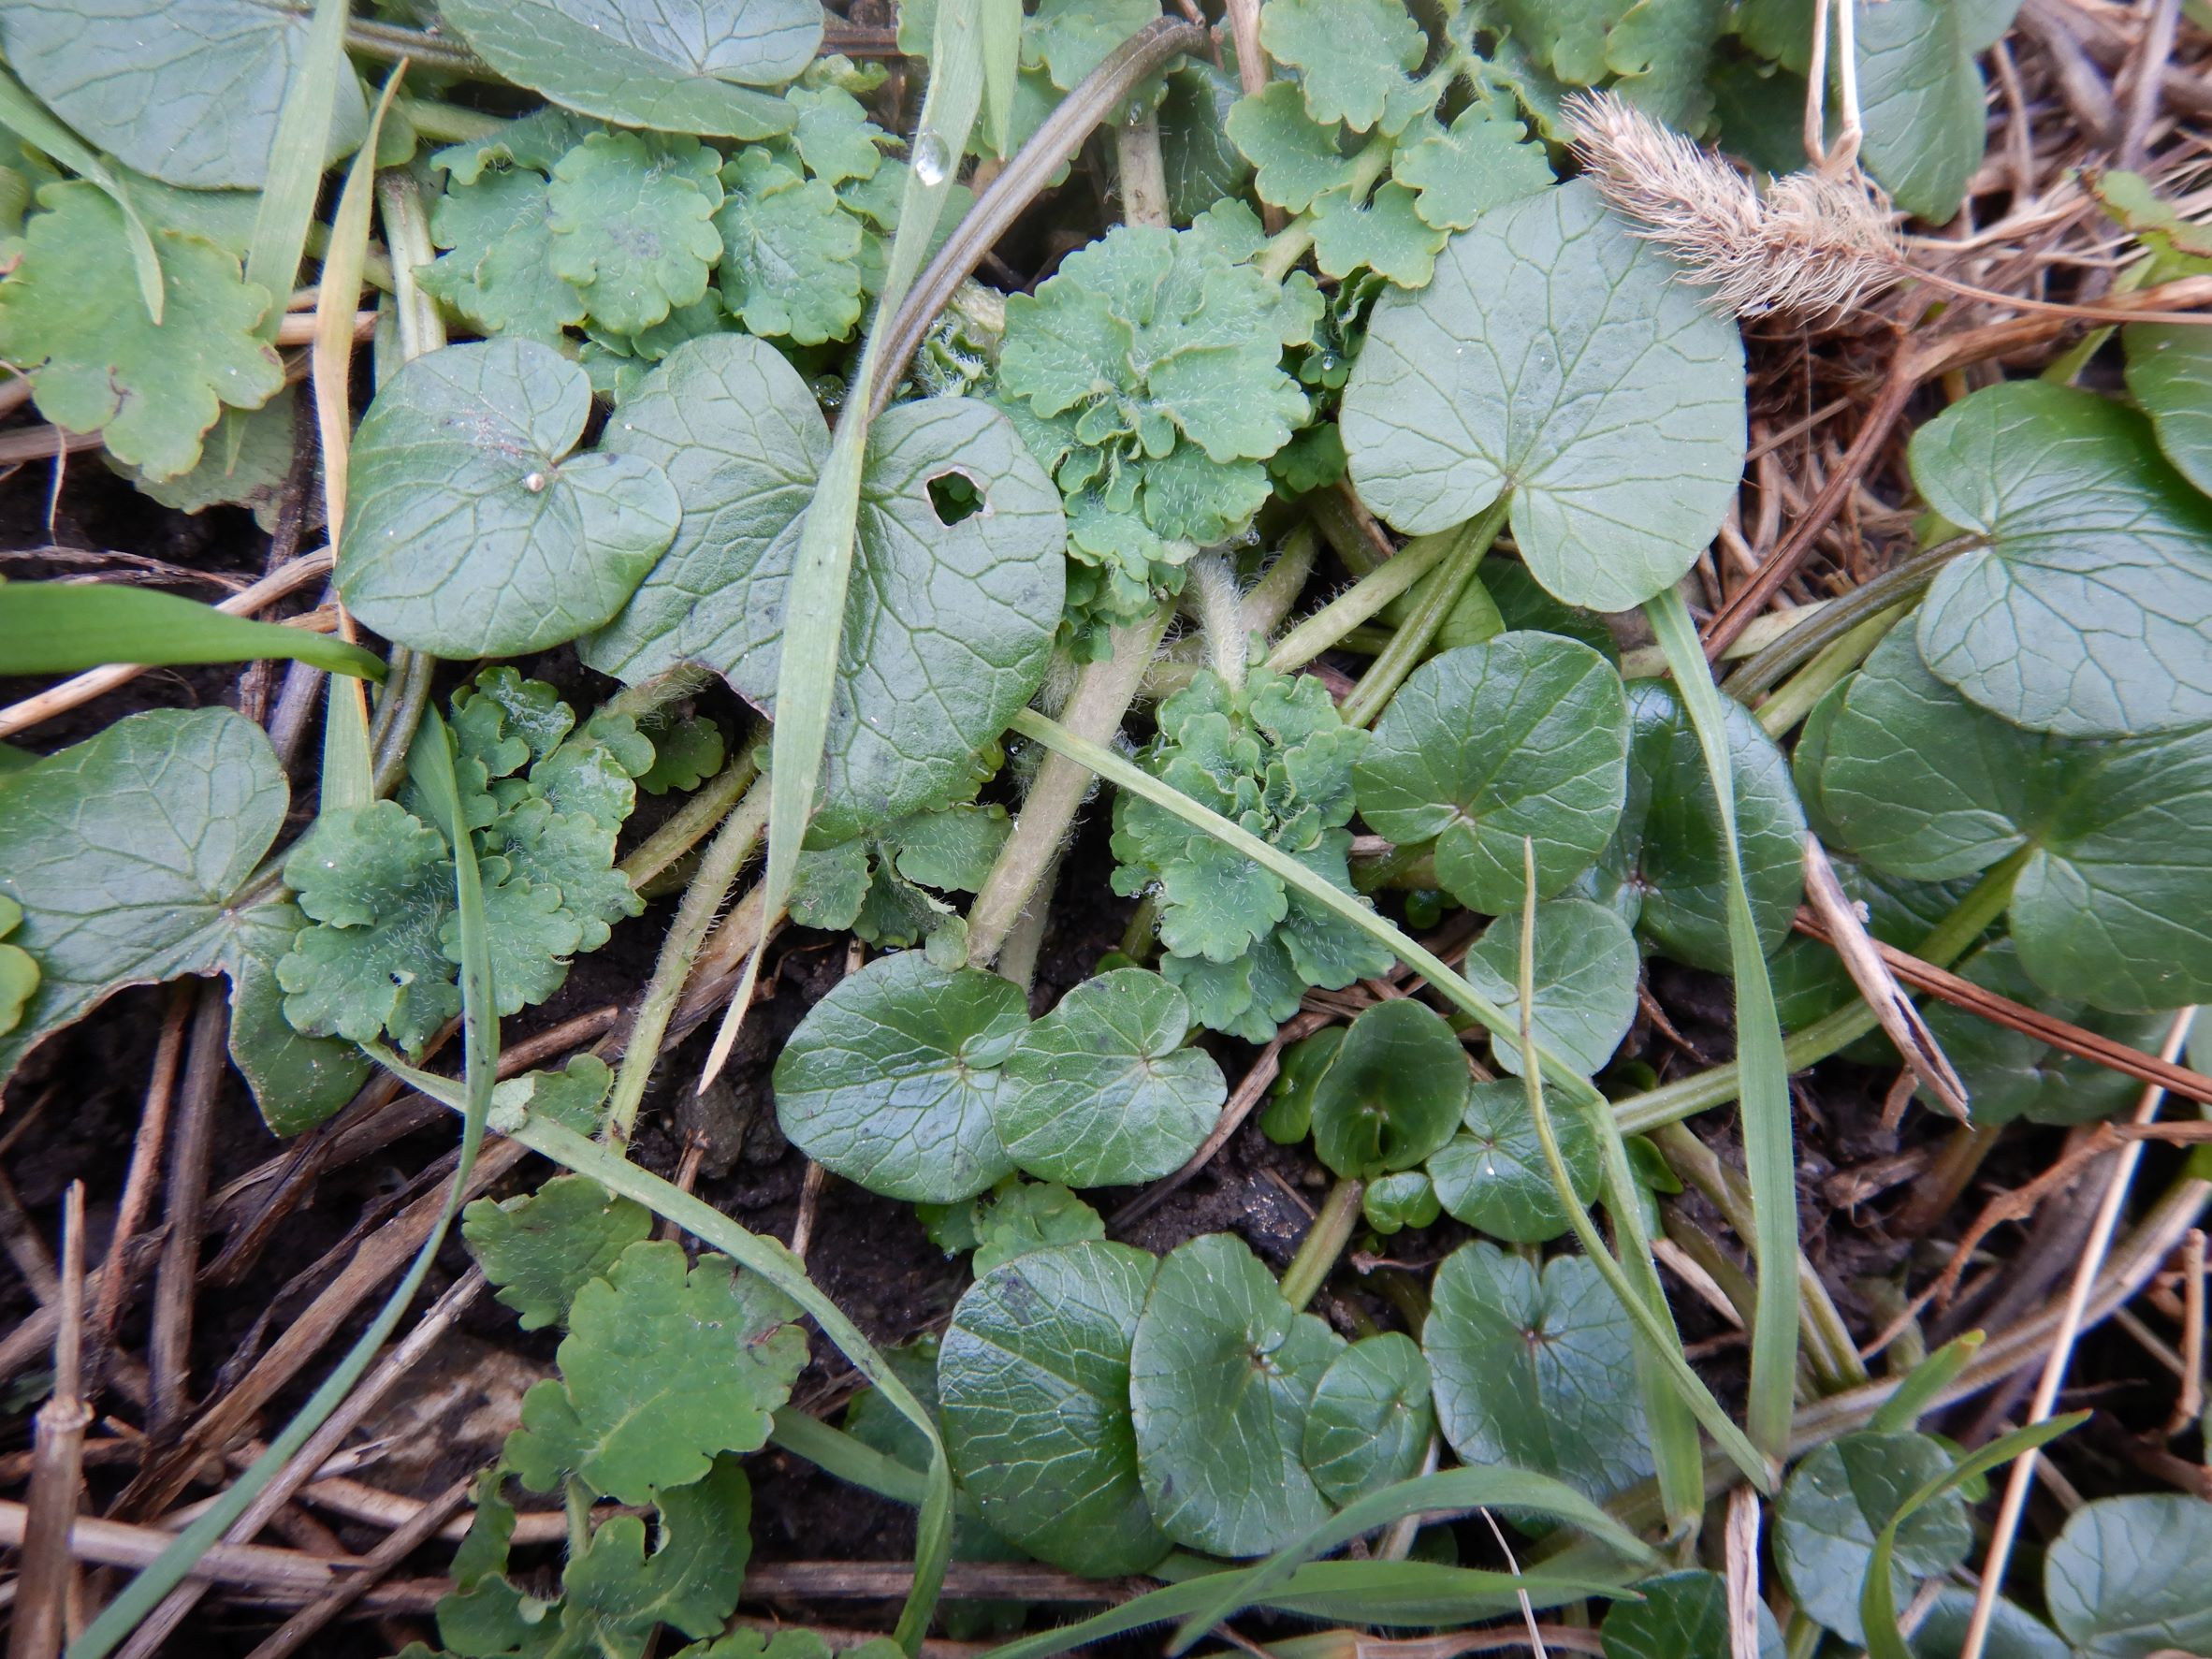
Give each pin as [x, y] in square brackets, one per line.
[948, 626]
[1393, 1092]
[470, 536]
[2084, 612]
[1222, 1372]
[1838, 1497]
[1492, 1175]
[1034, 1375]
[1370, 1420]
[2168, 367]
[1537, 1372]
[2127, 1577]
[1666, 869]
[678, 66]
[1101, 1091]
[1558, 357]
[2014, 1632]
[1681, 1615]
[888, 1079]
[188, 91]
[1586, 969]
[1525, 735]
[2111, 905]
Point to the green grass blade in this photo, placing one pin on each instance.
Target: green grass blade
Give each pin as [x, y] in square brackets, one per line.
[296, 160]
[1501, 1488]
[29, 121]
[1877, 1599]
[1554, 1070]
[62, 627]
[1763, 1084]
[781, 1269]
[432, 760]
[814, 603]
[1921, 1391]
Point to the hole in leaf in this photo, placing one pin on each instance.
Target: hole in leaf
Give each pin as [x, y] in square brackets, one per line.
[955, 497]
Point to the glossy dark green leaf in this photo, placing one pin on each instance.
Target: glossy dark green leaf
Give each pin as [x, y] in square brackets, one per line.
[1100, 1092]
[1666, 870]
[889, 1080]
[189, 90]
[1586, 969]
[1393, 1092]
[1557, 355]
[1034, 1374]
[1492, 1175]
[1403, 1198]
[1370, 1422]
[1681, 1615]
[686, 68]
[2085, 612]
[1536, 1370]
[948, 627]
[2014, 1632]
[473, 532]
[1524, 734]
[1838, 1497]
[2110, 905]
[2126, 1577]
[1222, 1374]
[2009, 1075]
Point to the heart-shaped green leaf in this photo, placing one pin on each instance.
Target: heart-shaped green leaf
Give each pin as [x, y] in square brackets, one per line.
[889, 1080]
[2085, 612]
[1492, 1175]
[1370, 1420]
[1921, 99]
[1586, 968]
[1537, 1371]
[1838, 1498]
[1034, 1374]
[689, 66]
[1222, 1372]
[1666, 869]
[2168, 367]
[1101, 1091]
[1681, 1615]
[948, 627]
[473, 532]
[2014, 1632]
[2127, 1577]
[1393, 1092]
[1524, 734]
[2110, 905]
[1558, 357]
[188, 91]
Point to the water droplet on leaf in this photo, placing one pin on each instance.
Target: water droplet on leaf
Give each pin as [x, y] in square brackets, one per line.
[932, 159]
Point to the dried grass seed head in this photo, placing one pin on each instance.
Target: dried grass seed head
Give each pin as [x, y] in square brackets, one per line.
[1809, 245]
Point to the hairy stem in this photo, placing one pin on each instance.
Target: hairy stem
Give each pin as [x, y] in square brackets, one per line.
[1359, 603]
[1324, 1241]
[1221, 614]
[702, 899]
[692, 822]
[1144, 174]
[390, 43]
[1103, 692]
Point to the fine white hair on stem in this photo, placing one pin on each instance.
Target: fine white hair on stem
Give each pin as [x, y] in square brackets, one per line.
[1809, 245]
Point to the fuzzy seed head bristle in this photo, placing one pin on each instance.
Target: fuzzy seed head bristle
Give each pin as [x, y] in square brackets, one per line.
[1811, 245]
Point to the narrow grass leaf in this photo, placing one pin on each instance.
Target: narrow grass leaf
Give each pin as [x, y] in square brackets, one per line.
[335, 298]
[62, 627]
[28, 120]
[296, 160]
[1556, 1072]
[1451, 1490]
[814, 606]
[1764, 1088]
[432, 761]
[1877, 1600]
[1920, 1390]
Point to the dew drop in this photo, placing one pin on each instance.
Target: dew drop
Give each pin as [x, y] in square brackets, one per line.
[932, 160]
[534, 483]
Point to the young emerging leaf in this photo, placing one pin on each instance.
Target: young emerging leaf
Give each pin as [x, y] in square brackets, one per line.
[1616, 422]
[614, 1593]
[473, 532]
[1393, 1092]
[1100, 1092]
[890, 1079]
[1370, 1422]
[542, 1249]
[1536, 1370]
[1523, 735]
[1034, 1374]
[1222, 1374]
[949, 626]
[661, 1370]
